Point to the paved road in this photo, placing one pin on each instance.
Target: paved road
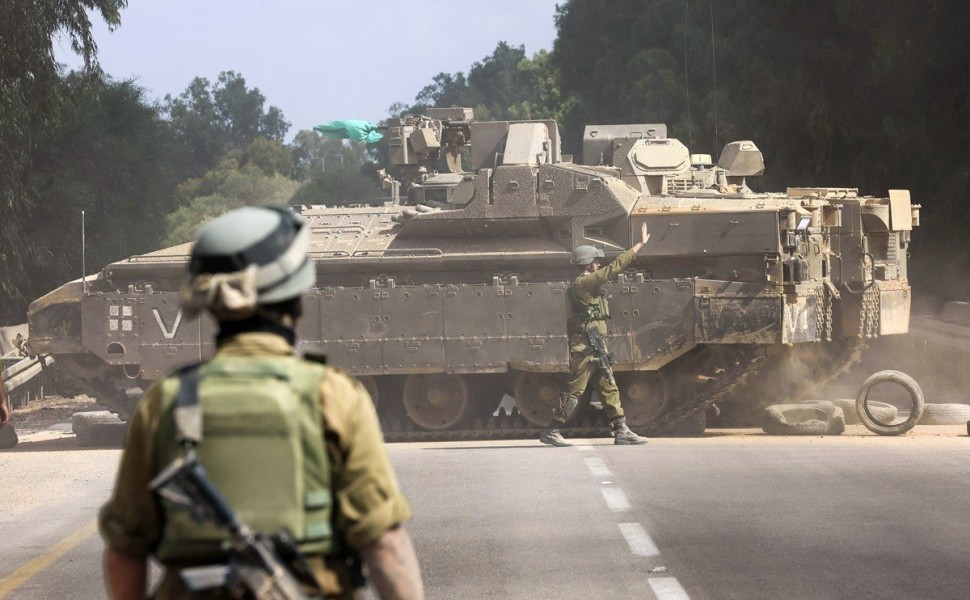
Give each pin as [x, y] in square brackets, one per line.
[723, 516]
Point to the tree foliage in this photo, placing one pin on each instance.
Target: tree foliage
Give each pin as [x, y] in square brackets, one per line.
[505, 85]
[254, 176]
[214, 119]
[110, 154]
[857, 93]
[31, 96]
[313, 170]
[30, 91]
[337, 173]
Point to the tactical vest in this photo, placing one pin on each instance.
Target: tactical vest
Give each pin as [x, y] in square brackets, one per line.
[587, 307]
[262, 445]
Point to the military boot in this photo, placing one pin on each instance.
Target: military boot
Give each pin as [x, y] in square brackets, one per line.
[622, 436]
[552, 437]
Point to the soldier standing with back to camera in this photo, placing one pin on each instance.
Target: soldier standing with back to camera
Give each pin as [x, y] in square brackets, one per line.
[589, 308]
[290, 443]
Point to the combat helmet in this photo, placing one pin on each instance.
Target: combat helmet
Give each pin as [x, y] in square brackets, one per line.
[584, 255]
[248, 257]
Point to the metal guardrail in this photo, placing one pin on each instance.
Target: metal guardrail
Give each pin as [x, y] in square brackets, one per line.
[19, 370]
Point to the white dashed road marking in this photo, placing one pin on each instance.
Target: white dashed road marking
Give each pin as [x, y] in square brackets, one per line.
[638, 539]
[583, 447]
[597, 467]
[667, 588]
[615, 499]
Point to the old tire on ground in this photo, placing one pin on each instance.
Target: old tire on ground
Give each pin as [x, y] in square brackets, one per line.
[98, 428]
[818, 418]
[884, 413]
[945, 414]
[8, 436]
[868, 418]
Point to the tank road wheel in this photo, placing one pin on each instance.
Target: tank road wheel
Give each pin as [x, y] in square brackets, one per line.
[643, 395]
[436, 401]
[537, 394]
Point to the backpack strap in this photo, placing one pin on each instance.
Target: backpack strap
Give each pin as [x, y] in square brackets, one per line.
[188, 411]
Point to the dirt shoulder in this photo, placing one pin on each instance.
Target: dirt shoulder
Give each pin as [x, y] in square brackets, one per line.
[42, 414]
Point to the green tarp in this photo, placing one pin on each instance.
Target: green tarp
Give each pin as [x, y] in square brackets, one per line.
[363, 131]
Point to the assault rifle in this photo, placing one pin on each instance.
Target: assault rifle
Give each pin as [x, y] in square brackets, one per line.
[599, 354]
[260, 567]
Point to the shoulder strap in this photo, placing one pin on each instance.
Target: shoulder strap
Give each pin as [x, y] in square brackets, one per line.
[188, 411]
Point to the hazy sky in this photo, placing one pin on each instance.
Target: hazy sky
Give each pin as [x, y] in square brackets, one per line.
[316, 60]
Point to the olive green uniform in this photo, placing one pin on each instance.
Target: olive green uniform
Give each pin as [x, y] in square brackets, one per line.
[589, 308]
[365, 491]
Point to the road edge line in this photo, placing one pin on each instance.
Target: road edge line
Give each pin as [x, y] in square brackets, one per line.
[36, 565]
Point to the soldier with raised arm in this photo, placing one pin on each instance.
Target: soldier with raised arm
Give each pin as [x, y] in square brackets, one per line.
[291, 444]
[589, 310]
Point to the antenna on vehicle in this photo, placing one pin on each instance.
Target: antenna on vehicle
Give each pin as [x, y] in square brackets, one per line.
[717, 143]
[84, 262]
[690, 129]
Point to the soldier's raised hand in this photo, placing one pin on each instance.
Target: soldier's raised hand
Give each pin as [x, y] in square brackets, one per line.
[644, 236]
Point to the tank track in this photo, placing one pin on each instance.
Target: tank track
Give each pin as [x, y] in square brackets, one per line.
[110, 391]
[738, 375]
[745, 371]
[743, 365]
[821, 364]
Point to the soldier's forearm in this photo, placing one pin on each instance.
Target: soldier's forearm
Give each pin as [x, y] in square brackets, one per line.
[393, 566]
[621, 262]
[125, 578]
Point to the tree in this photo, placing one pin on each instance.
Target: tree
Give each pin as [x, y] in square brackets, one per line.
[256, 175]
[110, 154]
[340, 186]
[30, 99]
[337, 172]
[854, 93]
[236, 190]
[215, 119]
[505, 85]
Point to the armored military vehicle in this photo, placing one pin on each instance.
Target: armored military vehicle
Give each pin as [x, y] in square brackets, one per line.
[453, 292]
